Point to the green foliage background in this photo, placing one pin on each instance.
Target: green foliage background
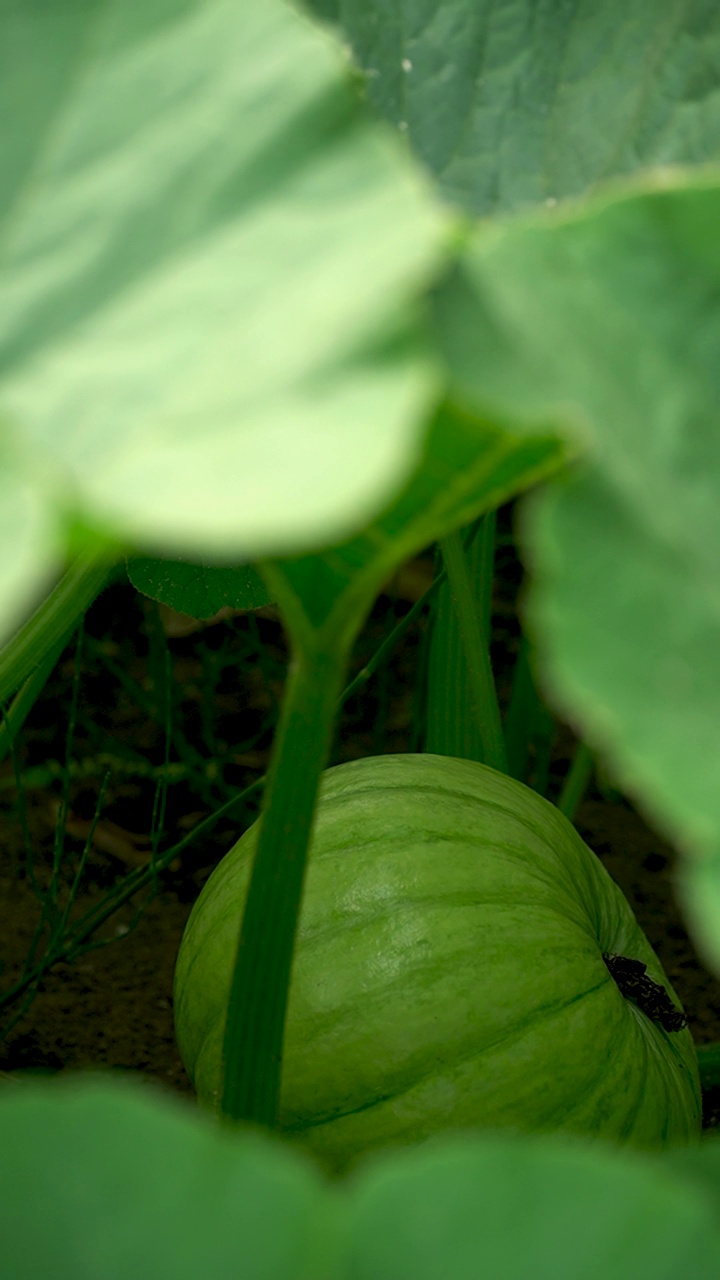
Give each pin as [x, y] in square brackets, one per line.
[245, 316]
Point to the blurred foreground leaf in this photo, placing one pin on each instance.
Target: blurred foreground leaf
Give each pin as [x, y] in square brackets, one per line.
[605, 319]
[211, 253]
[102, 1179]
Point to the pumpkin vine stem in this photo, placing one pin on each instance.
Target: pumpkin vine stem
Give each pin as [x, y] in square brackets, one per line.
[258, 996]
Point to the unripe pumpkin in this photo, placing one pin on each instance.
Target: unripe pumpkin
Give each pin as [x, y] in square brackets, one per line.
[449, 973]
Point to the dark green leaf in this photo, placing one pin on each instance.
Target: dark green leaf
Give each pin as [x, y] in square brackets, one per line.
[511, 1210]
[99, 1182]
[199, 590]
[515, 102]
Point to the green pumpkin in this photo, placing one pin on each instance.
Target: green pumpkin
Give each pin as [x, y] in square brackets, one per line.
[448, 973]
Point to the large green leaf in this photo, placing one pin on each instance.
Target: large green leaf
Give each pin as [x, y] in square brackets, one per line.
[210, 254]
[607, 319]
[630, 625]
[511, 102]
[700, 1166]
[103, 1181]
[510, 1209]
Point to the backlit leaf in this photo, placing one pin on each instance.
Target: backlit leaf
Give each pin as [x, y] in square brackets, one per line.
[210, 259]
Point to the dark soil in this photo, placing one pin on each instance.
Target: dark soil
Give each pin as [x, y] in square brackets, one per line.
[111, 1007]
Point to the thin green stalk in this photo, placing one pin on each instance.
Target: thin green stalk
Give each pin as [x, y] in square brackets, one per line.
[76, 940]
[78, 934]
[54, 621]
[383, 652]
[157, 822]
[475, 640]
[37, 777]
[139, 879]
[30, 988]
[40, 776]
[484, 568]
[82, 861]
[452, 726]
[59, 845]
[528, 725]
[255, 1025]
[26, 697]
[189, 756]
[50, 914]
[389, 643]
[15, 779]
[519, 716]
[576, 782]
[421, 694]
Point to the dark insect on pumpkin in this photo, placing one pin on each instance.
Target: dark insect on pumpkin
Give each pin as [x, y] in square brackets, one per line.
[633, 982]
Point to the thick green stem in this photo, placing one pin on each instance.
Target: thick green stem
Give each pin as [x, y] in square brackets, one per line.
[470, 612]
[54, 621]
[256, 1017]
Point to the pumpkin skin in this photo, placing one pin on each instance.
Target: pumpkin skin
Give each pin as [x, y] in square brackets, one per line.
[448, 973]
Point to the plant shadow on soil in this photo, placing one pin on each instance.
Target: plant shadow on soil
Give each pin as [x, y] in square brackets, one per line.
[111, 1008]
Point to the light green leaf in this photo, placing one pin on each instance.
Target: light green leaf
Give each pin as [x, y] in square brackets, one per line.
[210, 255]
[607, 320]
[511, 102]
[511, 1209]
[199, 590]
[97, 1181]
[469, 466]
[630, 624]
